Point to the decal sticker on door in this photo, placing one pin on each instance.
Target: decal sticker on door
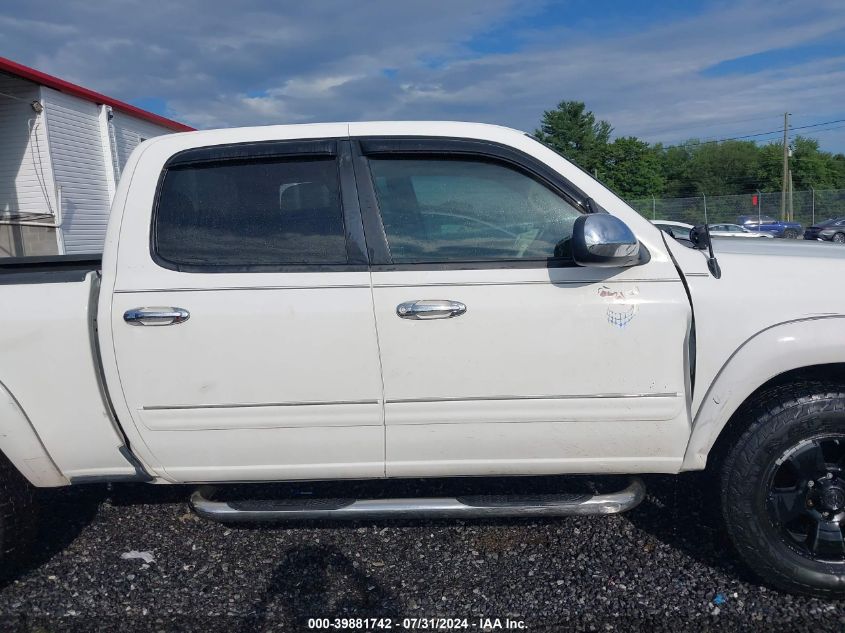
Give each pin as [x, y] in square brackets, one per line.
[622, 305]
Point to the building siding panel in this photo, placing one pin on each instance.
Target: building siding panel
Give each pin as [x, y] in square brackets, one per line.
[80, 170]
[62, 150]
[129, 132]
[26, 176]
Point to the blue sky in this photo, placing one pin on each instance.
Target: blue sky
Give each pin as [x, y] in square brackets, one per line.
[661, 71]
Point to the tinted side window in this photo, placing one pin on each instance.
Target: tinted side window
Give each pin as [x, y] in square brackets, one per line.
[276, 211]
[437, 210]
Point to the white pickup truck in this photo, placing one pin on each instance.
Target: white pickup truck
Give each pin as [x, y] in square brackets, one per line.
[396, 300]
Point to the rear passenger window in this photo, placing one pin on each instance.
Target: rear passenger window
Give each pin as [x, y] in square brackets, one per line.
[258, 212]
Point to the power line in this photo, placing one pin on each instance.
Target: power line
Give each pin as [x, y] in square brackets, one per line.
[802, 127]
[827, 129]
[747, 136]
[729, 122]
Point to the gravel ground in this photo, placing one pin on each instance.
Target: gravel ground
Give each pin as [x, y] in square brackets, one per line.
[666, 565]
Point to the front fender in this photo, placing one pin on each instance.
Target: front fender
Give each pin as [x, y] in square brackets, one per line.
[817, 340]
[21, 445]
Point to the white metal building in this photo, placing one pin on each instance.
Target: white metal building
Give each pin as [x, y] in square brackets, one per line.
[62, 148]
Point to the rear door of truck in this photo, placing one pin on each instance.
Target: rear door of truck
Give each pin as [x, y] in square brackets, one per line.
[241, 317]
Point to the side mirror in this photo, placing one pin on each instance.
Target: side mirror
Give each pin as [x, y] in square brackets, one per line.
[605, 241]
[700, 237]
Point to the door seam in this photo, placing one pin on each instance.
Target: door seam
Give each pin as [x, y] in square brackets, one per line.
[372, 304]
[381, 375]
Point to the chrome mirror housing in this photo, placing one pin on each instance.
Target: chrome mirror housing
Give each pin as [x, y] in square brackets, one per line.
[603, 240]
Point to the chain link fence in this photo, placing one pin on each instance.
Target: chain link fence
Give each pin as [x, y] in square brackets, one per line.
[808, 207]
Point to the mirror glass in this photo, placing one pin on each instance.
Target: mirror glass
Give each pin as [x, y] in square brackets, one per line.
[604, 240]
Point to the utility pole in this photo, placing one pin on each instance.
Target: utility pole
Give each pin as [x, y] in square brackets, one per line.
[814, 204]
[785, 165]
[791, 215]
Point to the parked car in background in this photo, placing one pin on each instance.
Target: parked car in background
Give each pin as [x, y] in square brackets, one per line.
[678, 230]
[735, 230]
[832, 230]
[768, 224]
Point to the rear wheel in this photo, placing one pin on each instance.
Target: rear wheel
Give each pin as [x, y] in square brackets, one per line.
[839, 238]
[790, 234]
[17, 516]
[783, 489]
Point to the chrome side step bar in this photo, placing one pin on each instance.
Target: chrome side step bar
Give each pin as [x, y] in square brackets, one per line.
[478, 506]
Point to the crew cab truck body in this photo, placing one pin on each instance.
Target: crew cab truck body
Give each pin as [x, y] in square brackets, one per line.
[369, 300]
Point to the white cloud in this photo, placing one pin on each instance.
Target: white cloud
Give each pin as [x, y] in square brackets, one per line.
[220, 64]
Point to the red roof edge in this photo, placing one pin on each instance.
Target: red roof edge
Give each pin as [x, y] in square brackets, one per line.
[14, 68]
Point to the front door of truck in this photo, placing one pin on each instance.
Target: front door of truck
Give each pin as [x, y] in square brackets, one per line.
[247, 350]
[498, 354]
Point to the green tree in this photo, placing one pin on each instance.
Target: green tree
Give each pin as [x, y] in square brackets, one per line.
[770, 167]
[636, 169]
[812, 167]
[720, 169]
[632, 168]
[676, 167]
[838, 163]
[573, 131]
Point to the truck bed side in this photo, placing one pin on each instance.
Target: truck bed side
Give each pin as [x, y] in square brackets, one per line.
[49, 366]
[47, 269]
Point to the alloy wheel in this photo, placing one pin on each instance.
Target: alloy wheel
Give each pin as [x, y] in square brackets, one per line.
[805, 498]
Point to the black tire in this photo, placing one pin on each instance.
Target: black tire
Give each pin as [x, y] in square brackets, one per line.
[18, 517]
[790, 234]
[782, 425]
[839, 238]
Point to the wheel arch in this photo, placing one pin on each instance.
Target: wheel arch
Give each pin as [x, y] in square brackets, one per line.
[20, 444]
[812, 347]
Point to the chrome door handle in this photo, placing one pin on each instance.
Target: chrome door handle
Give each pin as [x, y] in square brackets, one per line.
[423, 309]
[156, 316]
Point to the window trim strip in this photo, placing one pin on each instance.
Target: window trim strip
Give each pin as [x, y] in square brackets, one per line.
[378, 250]
[356, 243]
[253, 150]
